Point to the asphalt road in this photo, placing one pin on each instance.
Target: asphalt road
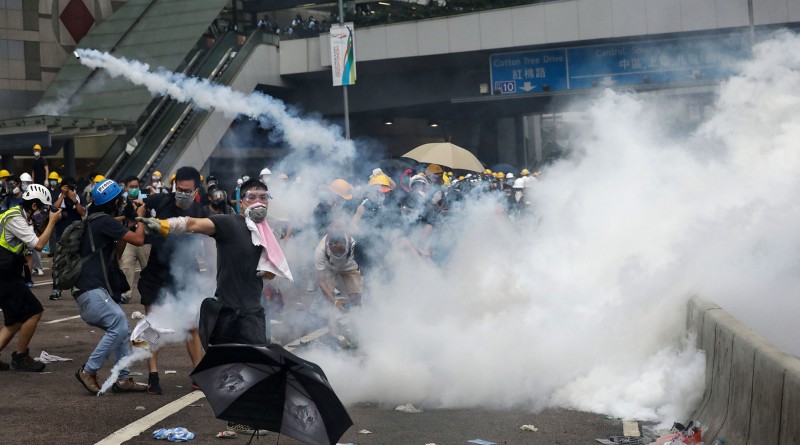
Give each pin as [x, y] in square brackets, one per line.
[52, 407]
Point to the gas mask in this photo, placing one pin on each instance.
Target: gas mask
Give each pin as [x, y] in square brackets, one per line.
[336, 248]
[184, 200]
[217, 198]
[15, 191]
[40, 216]
[133, 193]
[256, 212]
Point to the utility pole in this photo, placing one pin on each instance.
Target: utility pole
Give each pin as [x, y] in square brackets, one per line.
[344, 87]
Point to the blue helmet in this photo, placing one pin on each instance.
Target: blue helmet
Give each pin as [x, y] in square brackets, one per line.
[105, 191]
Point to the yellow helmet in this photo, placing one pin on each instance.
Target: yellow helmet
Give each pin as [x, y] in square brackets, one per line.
[99, 178]
[434, 169]
[54, 175]
[4, 174]
[157, 173]
[460, 178]
[487, 172]
[449, 173]
[37, 147]
[341, 188]
[446, 179]
[524, 172]
[172, 178]
[380, 180]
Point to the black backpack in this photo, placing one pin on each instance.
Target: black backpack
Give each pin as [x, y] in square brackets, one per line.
[67, 261]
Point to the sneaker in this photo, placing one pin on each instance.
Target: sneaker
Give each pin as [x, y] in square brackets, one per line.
[153, 385]
[4, 366]
[128, 385]
[29, 284]
[244, 429]
[55, 295]
[89, 380]
[24, 362]
[38, 272]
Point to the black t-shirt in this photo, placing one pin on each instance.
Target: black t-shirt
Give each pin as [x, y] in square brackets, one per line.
[39, 176]
[238, 286]
[159, 265]
[68, 212]
[106, 231]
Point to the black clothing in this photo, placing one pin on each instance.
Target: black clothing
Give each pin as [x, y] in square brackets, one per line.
[158, 273]
[68, 213]
[106, 231]
[39, 175]
[238, 286]
[17, 301]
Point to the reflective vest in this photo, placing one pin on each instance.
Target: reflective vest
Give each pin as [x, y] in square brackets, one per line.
[13, 247]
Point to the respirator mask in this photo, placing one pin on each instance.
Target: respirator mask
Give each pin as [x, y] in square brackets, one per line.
[256, 212]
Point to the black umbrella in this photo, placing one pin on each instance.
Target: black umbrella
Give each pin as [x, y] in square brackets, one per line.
[270, 388]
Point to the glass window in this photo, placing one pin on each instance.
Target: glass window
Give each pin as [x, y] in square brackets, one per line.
[14, 4]
[16, 50]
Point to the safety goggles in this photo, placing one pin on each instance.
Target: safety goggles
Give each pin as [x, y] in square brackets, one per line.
[257, 196]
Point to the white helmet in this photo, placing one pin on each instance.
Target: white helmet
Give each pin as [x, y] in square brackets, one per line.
[25, 177]
[509, 175]
[265, 171]
[38, 191]
[519, 183]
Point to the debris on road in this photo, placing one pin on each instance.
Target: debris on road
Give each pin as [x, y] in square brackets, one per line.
[623, 440]
[481, 442]
[365, 432]
[408, 408]
[529, 428]
[139, 408]
[44, 357]
[226, 435]
[179, 434]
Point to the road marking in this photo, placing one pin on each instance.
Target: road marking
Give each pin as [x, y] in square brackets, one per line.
[62, 319]
[630, 428]
[134, 429]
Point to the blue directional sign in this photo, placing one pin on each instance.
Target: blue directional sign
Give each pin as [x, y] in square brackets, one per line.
[529, 71]
[657, 61]
[674, 60]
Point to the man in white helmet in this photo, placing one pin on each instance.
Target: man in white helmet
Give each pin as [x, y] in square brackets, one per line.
[21, 309]
[265, 176]
[32, 257]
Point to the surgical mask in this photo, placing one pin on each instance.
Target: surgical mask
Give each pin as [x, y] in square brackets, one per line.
[16, 190]
[157, 184]
[53, 183]
[256, 213]
[24, 187]
[37, 153]
[133, 193]
[517, 196]
[184, 200]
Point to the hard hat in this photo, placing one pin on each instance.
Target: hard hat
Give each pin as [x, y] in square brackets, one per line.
[25, 177]
[509, 175]
[434, 169]
[530, 181]
[37, 191]
[202, 178]
[380, 179]
[105, 191]
[524, 172]
[460, 178]
[211, 178]
[4, 174]
[172, 178]
[499, 175]
[519, 183]
[265, 171]
[37, 147]
[54, 175]
[157, 173]
[417, 179]
[446, 179]
[341, 188]
[283, 176]
[450, 174]
[99, 178]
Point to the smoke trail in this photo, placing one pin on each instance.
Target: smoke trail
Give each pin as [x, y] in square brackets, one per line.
[303, 135]
[583, 306]
[136, 355]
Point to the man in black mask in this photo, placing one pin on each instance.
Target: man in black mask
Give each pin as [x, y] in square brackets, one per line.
[218, 201]
[158, 277]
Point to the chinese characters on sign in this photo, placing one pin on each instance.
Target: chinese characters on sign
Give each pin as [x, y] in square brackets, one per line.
[664, 61]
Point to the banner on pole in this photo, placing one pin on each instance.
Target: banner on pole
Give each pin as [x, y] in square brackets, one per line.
[343, 55]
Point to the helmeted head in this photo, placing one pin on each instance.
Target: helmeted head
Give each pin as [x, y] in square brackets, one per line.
[265, 175]
[37, 201]
[37, 150]
[341, 188]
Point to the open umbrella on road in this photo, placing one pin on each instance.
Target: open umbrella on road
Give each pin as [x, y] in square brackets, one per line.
[446, 154]
[273, 389]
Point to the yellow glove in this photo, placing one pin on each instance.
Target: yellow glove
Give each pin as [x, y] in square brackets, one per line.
[155, 225]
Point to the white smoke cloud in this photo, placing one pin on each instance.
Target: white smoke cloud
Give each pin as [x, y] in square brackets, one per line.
[583, 305]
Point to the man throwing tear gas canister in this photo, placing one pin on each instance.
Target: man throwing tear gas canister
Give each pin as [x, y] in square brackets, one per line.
[247, 253]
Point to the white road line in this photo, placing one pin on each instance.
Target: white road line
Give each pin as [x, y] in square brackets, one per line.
[62, 319]
[134, 429]
[630, 428]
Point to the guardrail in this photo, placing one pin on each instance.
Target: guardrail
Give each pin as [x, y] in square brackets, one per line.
[752, 394]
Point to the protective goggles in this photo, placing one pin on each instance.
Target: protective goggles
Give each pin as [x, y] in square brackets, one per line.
[257, 196]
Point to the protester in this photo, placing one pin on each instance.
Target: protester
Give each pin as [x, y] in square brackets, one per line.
[71, 210]
[21, 309]
[156, 186]
[335, 260]
[132, 254]
[237, 315]
[92, 289]
[40, 171]
[159, 278]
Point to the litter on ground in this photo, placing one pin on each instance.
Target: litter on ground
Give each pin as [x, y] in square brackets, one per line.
[529, 428]
[408, 408]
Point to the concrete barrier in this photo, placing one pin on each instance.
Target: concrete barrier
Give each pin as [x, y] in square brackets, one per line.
[752, 394]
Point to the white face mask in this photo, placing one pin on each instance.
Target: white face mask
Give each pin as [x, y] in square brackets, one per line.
[157, 184]
[37, 153]
[517, 196]
[16, 190]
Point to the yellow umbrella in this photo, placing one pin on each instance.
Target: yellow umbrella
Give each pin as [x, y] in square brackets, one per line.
[447, 154]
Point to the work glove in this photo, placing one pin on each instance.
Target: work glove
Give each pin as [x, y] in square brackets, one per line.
[154, 225]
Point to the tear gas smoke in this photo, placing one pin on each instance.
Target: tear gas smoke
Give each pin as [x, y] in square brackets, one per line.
[135, 355]
[582, 306]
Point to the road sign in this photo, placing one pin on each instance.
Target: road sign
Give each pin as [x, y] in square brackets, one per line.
[529, 71]
[660, 61]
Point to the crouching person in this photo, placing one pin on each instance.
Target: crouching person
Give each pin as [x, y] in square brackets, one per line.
[92, 289]
[21, 309]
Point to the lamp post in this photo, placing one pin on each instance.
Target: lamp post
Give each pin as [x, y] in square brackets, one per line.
[344, 87]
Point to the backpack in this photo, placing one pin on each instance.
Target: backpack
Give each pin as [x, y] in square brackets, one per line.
[67, 261]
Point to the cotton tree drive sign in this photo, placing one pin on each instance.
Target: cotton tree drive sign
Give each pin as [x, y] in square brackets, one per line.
[343, 55]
